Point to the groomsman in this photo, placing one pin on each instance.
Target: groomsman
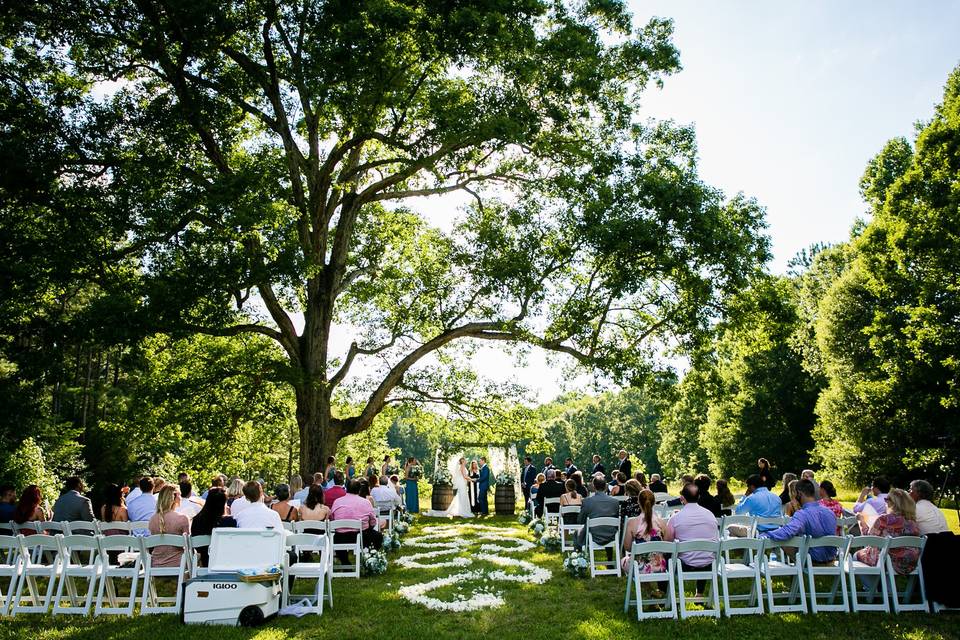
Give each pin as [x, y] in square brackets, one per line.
[569, 468]
[598, 467]
[527, 478]
[624, 465]
[547, 465]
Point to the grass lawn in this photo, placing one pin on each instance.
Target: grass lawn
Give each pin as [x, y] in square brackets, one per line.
[562, 606]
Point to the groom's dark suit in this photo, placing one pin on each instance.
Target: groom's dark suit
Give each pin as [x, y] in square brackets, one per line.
[483, 487]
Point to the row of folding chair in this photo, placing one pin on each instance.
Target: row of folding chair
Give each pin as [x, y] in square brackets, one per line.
[855, 584]
[74, 527]
[327, 528]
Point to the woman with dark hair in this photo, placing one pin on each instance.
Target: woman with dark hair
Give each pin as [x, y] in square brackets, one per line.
[411, 474]
[828, 498]
[642, 479]
[349, 469]
[725, 496]
[364, 492]
[313, 507]
[288, 512]
[570, 498]
[212, 516]
[766, 475]
[371, 470]
[630, 508]
[329, 469]
[114, 508]
[28, 508]
[646, 527]
[618, 487]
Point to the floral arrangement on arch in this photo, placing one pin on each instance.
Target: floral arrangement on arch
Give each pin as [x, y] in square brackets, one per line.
[373, 562]
[576, 564]
[441, 475]
[505, 479]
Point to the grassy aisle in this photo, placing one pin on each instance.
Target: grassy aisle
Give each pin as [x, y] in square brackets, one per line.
[372, 608]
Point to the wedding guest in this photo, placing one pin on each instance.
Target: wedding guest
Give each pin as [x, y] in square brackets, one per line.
[145, 505]
[158, 484]
[8, 502]
[581, 488]
[551, 488]
[364, 492]
[630, 508]
[766, 475]
[240, 503]
[656, 484]
[296, 488]
[641, 478]
[929, 518]
[570, 498]
[288, 512]
[257, 515]
[646, 526]
[828, 498]
[395, 486]
[807, 474]
[166, 520]
[707, 501]
[878, 501]
[812, 519]
[133, 490]
[759, 502]
[727, 501]
[598, 467]
[785, 494]
[336, 491]
[29, 508]
[598, 505]
[693, 522]
[793, 505]
[352, 506]
[900, 519]
[219, 481]
[234, 491]
[620, 479]
[527, 478]
[72, 505]
[113, 509]
[385, 496]
[190, 504]
[541, 478]
[313, 508]
[212, 516]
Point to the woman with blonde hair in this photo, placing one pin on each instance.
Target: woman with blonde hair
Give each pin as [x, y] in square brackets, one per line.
[235, 490]
[899, 520]
[167, 521]
[793, 505]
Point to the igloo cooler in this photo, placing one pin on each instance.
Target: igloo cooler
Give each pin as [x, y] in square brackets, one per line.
[244, 580]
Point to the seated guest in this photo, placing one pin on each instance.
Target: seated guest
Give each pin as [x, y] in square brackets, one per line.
[656, 484]
[351, 506]
[552, 488]
[364, 492]
[166, 520]
[336, 491]
[212, 516]
[642, 479]
[578, 480]
[630, 508]
[313, 507]
[812, 519]
[929, 518]
[541, 478]
[570, 498]
[644, 527]
[598, 505]
[758, 502]
[219, 482]
[385, 496]
[114, 509]
[72, 505]
[869, 507]
[234, 491]
[298, 490]
[619, 480]
[145, 505]
[828, 498]
[900, 519]
[288, 512]
[693, 522]
[396, 486]
[727, 501]
[794, 504]
[190, 504]
[707, 501]
[677, 502]
[256, 515]
[133, 489]
[785, 494]
[807, 474]
[29, 508]
[8, 502]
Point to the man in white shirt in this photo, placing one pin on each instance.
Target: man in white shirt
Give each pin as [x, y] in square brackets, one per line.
[145, 505]
[190, 505]
[256, 515]
[135, 491]
[385, 495]
[929, 518]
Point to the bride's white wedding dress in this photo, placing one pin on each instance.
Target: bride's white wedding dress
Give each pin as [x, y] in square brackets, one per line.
[460, 507]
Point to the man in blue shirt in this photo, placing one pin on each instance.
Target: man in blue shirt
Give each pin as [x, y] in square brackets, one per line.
[813, 519]
[759, 502]
[8, 502]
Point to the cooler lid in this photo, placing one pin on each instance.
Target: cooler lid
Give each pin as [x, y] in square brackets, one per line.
[237, 549]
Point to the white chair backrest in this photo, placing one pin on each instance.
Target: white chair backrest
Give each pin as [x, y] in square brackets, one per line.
[742, 544]
[165, 539]
[570, 508]
[700, 545]
[318, 527]
[40, 542]
[593, 523]
[551, 502]
[859, 542]
[27, 528]
[117, 543]
[82, 527]
[346, 525]
[6, 528]
[306, 541]
[78, 543]
[656, 546]
[901, 542]
[125, 527]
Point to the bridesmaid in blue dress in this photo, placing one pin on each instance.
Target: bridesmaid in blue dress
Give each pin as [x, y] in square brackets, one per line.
[411, 473]
[351, 468]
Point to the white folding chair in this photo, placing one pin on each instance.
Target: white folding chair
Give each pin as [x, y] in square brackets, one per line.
[318, 571]
[551, 517]
[386, 511]
[81, 559]
[41, 558]
[52, 528]
[915, 576]
[82, 528]
[749, 569]
[603, 567]
[10, 568]
[871, 576]
[785, 567]
[569, 532]
[749, 522]
[355, 546]
[847, 524]
[6, 529]
[636, 579]
[707, 573]
[138, 528]
[26, 529]
[316, 527]
[150, 600]
[196, 544]
[287, 526]
[115, 571]
[833, 570]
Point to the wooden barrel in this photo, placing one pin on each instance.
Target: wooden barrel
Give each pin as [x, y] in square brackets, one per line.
[442, 497]
[505, 500]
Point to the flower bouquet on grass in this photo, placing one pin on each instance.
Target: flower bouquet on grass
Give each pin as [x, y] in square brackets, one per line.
[406, 517]
[576, 564]
[525, 517]
[538, 526]
[551, 542]
[400, 528]
[373, 562]
[391, 542]
[441, 475]
[504, 478]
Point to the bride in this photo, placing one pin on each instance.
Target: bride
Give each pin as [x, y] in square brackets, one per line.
[460, 507]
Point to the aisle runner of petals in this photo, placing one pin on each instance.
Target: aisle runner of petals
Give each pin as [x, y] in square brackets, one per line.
[444, 541]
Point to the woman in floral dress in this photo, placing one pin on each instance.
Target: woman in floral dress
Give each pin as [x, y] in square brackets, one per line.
[647, 527]
[899, 520]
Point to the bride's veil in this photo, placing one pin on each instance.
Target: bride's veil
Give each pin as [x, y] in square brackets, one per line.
[453, 466]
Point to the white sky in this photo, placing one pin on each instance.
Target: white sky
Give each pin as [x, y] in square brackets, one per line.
[789, 102]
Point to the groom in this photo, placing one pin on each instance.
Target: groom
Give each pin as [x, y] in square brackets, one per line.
[483, 486]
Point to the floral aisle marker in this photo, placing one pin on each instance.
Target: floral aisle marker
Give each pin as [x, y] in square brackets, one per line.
[478, 544]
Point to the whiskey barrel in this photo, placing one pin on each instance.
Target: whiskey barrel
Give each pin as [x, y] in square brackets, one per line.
[442, 497]
[505, 500]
